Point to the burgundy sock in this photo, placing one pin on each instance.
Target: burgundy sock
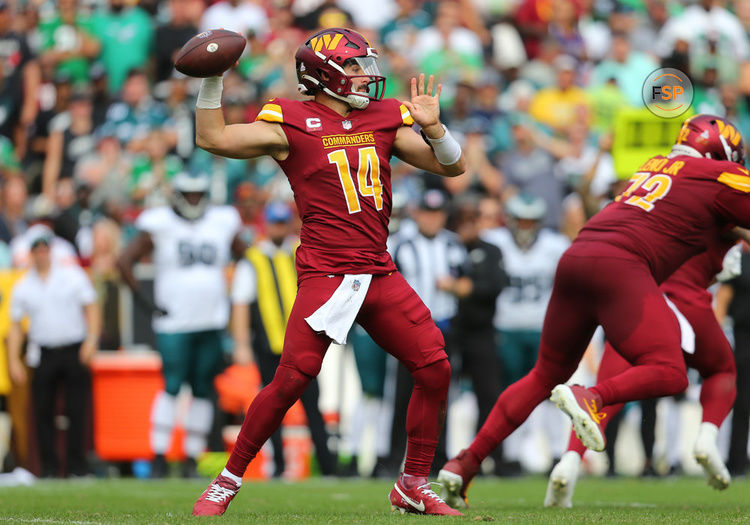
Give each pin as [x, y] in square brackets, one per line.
[264, 416]
[425, 416]
[718, 393]
[511, 409]
[642, 382]
[609, 412]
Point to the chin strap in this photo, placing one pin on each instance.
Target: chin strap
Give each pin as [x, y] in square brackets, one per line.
[355, 101]
[682, 149]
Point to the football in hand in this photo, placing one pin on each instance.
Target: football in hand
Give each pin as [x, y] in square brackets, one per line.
[210, 53]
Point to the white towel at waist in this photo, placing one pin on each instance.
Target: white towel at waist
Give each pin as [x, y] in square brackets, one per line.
[336, 316]
[687, 335]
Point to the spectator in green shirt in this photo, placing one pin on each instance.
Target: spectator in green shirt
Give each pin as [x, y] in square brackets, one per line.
[67, 42]
[126, 35]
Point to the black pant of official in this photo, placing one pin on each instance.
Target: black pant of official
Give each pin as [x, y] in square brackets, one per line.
[477, 359]
[738, 461]
[61, 367]
[267, 365]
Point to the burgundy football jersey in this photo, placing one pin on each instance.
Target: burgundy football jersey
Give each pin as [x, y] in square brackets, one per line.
[673, 209]
[339, 169]
[689, 281]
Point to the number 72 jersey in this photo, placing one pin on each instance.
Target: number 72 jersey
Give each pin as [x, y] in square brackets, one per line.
[674, 208]
[339, 169]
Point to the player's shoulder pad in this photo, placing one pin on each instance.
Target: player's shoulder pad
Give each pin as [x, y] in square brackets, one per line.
[735, 176]
[395, 107]
[273, 110]
[499, 236]
[554, 241]
[225, 214]
[406, 118]
[151, 220]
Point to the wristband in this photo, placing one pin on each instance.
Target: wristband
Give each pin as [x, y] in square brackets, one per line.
[209, 95]
[446, 149]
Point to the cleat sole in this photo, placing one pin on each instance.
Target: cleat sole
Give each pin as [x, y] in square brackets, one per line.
[452, 485]
[557, 494]
[715, 479]
[585, 427]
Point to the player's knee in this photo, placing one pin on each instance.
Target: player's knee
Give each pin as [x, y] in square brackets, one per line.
[289, 383]
[434, 377]
[551, 375]
[729, 367]
[675, 379]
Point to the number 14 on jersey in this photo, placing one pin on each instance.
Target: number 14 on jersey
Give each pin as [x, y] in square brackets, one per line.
[369, 165]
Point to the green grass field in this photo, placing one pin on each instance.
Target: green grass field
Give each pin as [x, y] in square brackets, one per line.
[603, 501]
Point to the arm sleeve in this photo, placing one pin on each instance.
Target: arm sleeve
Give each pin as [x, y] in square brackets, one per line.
[86, 291]
[406, 118]
[271, 112]
[732, 202]
[456, 256]
[17, 306]
[147, 222]
[235, 221]
[244, 289]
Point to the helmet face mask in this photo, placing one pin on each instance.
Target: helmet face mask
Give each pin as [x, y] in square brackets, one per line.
[189, 196]
[524, 216]
[710, 137]
[322, 63]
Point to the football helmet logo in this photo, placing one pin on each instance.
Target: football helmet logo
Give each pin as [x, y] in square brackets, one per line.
[711, 137]
[321, 61]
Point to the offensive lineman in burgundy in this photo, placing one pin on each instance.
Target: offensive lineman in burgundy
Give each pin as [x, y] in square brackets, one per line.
[335, 150]
[676, 207]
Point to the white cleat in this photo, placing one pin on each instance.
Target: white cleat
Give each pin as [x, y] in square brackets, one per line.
[707, 454]
[583, 407]
[562, 481]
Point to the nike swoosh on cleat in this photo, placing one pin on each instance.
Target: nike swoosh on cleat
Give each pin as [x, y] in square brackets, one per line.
[419, 506]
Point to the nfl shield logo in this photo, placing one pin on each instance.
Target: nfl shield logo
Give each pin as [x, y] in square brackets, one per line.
[356, 284]
[347, 124]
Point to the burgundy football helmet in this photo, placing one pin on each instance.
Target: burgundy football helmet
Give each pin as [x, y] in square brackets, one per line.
[711, 137]
[327, 51]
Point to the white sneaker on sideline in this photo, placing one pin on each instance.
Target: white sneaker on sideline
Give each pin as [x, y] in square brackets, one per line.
[562, 481]
[707, 454]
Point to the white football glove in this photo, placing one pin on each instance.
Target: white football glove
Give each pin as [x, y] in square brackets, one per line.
[732, 265]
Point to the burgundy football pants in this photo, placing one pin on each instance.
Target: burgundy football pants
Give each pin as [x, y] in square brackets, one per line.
[622, 296]
[398, 322]
[713, 359]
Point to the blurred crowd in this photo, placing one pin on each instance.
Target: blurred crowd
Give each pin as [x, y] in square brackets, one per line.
[95, 121]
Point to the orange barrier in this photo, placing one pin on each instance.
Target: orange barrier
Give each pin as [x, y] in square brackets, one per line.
[124, 385]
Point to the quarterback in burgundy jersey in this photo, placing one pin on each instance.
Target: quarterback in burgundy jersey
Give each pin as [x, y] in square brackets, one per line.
[335, 150]
[675, 207]
[711, 356]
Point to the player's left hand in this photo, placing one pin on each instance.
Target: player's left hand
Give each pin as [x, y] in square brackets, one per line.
[424, 107]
